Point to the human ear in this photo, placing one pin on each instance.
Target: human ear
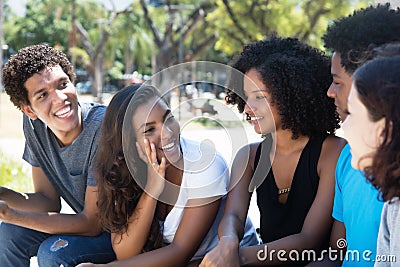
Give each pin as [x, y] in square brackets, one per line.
[29, 112]
[381, 129]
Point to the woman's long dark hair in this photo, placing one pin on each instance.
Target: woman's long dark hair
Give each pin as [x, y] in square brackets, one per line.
[118, 191]
[378, 86]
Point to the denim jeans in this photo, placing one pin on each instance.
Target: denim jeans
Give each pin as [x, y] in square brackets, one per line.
[19, 244]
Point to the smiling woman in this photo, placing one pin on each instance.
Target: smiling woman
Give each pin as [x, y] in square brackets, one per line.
[160, 195]
[282, 92]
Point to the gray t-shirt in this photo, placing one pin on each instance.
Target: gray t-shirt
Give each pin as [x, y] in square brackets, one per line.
[69, 168]
[388, 248]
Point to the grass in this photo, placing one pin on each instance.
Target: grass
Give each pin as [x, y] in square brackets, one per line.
[14, 175]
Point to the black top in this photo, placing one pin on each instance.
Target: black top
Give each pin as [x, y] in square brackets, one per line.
[279, 220]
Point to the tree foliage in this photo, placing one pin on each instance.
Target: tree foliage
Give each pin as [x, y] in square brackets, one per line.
[167, 32]
[241, 22]
[85, 30]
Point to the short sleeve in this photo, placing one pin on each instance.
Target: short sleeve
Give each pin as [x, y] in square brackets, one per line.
[29, 156]
[211, 181]
[91, 180]
[337, 212]
[383, 244]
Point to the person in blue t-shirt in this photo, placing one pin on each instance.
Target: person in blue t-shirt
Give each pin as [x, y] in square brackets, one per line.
[357, 209]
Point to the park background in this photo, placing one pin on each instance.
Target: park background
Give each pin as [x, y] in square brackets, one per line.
[116, 43]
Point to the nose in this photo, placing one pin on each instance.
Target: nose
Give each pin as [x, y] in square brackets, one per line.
[167, 132]
[248, 108]
[59, 96]
[331, 91]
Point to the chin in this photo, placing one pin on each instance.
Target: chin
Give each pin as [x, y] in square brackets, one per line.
[360, 164]
[354, 164]
[257, 130]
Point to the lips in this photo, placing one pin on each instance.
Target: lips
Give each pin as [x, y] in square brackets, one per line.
[64, 112]
[256, 118]
[168, 147]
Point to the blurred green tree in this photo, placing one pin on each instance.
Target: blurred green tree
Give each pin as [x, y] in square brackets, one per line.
[14, 174]
[86, 30]
[241, 22]
[166, 31]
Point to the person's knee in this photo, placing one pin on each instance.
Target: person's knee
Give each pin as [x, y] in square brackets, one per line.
[51, 252]
[72, 250]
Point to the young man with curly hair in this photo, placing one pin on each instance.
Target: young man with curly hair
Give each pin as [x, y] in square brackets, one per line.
[357, 210]
[60, 142]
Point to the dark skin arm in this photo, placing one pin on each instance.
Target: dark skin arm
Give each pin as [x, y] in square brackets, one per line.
[195, 224]
[231, 227]
[338, 232]
[39, 210]
[315, 227]
[318, 221]
[130, 243]
[44, 199]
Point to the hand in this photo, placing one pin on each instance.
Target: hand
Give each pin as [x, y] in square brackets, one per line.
[155, 171]
[226, 253]
[85, 265]
[4, 211]
[3, 191]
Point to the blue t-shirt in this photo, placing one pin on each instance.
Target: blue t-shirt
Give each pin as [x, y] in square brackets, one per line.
[357, 206]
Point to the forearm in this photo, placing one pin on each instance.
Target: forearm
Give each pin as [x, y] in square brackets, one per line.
[35, 202]
[226, 253]
[231, 226]
[171, 255]
[132, 242]
[53, 223]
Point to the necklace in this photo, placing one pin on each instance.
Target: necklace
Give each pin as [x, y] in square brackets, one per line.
[283, 191]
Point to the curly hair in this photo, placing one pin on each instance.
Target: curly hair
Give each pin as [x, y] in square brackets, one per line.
[297, 77]
[27, 62]
[355, 35]
[378, 85]
[118, 191]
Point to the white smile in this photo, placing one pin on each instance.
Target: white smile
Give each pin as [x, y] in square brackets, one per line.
[62, 113]
[168, 147]
[256, 118]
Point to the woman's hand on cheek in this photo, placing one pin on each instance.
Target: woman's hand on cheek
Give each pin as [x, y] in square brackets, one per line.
[155, 171]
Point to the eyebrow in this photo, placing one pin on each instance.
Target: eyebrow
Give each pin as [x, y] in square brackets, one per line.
[39, 91]
[167, 112]
[336, 75]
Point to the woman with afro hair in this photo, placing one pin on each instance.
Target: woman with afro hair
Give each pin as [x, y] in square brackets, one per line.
[283, 94]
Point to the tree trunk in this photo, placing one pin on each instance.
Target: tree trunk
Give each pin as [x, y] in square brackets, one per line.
[98, 78]
[1, 44]
[128, 62]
